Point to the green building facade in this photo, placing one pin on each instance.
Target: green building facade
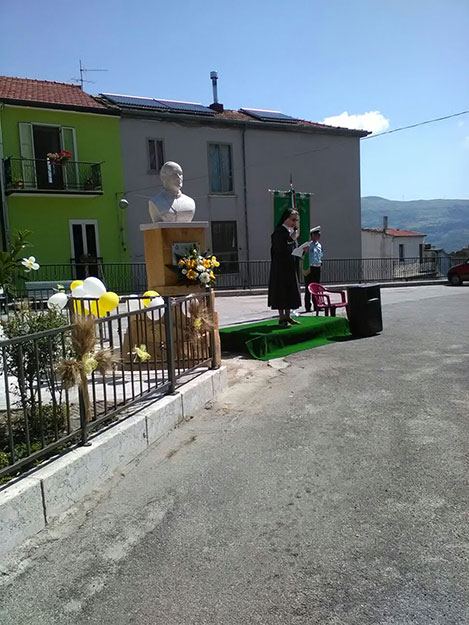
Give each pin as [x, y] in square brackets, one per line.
[62, 176]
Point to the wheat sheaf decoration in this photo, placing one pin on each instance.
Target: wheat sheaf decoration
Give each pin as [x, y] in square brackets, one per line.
[199, 321]
[74, 371]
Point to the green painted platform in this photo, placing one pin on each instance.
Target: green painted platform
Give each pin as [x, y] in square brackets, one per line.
[265, 340]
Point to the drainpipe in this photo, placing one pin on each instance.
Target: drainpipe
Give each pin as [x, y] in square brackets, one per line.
[4, 225]
[245, 191]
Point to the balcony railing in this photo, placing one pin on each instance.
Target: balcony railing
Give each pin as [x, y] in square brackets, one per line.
[24, 175]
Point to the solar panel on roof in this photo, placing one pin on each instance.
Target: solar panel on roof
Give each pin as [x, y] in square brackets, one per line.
[159, 105]
[127, 100]
[187, 107]
[270, 116]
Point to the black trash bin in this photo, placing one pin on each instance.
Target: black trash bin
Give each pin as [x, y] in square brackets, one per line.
[364, 309]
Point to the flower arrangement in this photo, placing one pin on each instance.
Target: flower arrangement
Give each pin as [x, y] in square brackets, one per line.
[198, 268]
[60, 158]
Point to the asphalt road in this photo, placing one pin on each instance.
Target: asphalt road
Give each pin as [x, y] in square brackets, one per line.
[330, 488]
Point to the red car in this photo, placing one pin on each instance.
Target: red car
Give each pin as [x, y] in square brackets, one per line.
[459, 273]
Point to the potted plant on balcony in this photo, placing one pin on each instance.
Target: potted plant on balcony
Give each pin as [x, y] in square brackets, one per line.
[18, 183]
[59, 158]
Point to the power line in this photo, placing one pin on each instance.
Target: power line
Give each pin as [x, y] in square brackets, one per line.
[429, 121]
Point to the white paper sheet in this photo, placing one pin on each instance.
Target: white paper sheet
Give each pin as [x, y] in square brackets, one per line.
[298, 251]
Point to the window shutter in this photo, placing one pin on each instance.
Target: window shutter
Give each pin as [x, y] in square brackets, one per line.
[27, 153]
[68, 142]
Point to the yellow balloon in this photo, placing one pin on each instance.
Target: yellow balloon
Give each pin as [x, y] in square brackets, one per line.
[149, 296]
[107, 302]
[95, 309]
[78, 307]
[75, 283]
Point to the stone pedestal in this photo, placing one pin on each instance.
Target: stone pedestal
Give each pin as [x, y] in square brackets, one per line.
[159, 241]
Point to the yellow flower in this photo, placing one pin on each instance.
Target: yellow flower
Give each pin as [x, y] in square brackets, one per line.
[207, 263]
[182, 262]
[141, 352]
[212, 275]
[216, 264]
[191, 274]
[213, 259]
[89, 363]
[191, 263]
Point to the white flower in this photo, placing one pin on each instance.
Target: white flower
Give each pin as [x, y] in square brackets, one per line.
[204, 277]
[30, 263]
[184, 271]
[200, 269]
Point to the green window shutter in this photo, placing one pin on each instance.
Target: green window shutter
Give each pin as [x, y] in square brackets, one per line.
[27, 153]
[71, 173]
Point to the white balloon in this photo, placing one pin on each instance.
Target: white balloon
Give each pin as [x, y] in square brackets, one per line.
[79, 292]
[94, 287]
[134, 304]
[154, 303]
[58, 301]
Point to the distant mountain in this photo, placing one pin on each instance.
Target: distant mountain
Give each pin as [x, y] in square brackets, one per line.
[445, 222]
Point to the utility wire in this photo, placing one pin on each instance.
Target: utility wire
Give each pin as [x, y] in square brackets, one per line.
[429, 121]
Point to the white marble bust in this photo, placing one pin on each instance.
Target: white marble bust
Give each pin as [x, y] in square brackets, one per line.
[170, 204]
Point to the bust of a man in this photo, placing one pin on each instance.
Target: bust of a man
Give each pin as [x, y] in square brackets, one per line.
[170, 204]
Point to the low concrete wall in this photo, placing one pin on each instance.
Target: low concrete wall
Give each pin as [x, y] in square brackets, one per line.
[29, 505]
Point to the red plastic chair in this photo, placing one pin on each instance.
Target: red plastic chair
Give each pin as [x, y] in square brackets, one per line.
[322, 301]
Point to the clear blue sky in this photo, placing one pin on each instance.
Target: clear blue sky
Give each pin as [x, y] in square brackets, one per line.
[313, 59]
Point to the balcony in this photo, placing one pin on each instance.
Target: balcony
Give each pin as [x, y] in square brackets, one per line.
[43, 177]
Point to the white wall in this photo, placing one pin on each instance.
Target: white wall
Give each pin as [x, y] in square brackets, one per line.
[411, 246]
[376, 245]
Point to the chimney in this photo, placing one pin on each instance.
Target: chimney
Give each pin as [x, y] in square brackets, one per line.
[216, 106]
[385, 223]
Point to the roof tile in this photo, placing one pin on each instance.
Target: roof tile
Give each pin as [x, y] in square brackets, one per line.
[44, 91]
[396, 232]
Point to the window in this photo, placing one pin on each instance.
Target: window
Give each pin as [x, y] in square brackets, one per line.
[155, 155]
[220, 172]
[225, 245]
[401, 251]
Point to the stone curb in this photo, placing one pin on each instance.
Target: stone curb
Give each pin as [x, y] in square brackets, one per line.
[383, 285]
[29, 505]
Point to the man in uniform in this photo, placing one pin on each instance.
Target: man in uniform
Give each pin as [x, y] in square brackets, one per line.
[315, 253]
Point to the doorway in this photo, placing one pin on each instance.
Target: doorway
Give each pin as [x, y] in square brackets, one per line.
[46, 139]
[85, 248]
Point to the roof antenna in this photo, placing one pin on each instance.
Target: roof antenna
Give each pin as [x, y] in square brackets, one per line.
[81, 80]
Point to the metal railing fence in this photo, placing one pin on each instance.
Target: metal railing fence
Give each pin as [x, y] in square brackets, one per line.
[130, 278]
[155, 349]
[26, 175]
